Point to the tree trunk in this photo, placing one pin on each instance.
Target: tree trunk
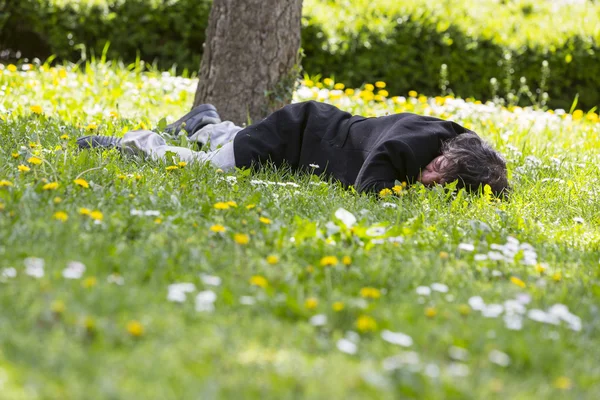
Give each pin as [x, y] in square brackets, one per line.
[250, 57]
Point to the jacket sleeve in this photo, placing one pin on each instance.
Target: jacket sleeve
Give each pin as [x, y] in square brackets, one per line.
[401, 158]
[384, 165]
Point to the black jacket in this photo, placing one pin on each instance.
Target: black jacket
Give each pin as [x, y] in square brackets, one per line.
[369, 153]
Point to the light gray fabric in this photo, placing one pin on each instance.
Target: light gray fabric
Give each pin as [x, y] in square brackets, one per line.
[216, 135]
[219, 137]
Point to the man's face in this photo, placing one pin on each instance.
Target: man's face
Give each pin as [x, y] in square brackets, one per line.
[432, 173]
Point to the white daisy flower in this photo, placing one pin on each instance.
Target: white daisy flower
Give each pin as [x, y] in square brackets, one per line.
[346, 217]
[466, 247]
[499, 358]
[423, 290]
[346, 346]
[34, 267]
[210, 280]
[396, 338]
[205, 301]
[74, 270]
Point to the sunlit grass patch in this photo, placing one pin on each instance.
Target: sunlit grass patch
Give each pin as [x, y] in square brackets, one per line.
[120, 275]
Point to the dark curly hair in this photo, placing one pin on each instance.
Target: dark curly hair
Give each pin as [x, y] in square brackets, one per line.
[474, 163]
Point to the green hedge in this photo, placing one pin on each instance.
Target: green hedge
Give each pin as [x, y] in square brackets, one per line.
[166, 31]
[404, 43]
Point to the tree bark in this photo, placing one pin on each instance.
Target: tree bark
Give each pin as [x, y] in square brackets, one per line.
[250, 57]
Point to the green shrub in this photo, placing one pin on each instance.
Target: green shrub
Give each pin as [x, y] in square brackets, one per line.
[168, 32]
[404, 43]
[407, 43]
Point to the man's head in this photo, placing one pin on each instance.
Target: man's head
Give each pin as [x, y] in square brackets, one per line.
[471, 161]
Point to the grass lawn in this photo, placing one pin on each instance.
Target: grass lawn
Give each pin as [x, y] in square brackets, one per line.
[289, 286]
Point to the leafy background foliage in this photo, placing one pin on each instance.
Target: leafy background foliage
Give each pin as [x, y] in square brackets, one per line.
[451, 45]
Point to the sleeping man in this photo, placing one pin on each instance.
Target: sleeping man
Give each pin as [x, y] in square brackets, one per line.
[369, 153]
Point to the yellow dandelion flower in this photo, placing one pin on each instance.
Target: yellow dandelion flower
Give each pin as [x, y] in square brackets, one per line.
[221, 206]
[577, 115]
[65, 137]
[397, 189]
[464, 309]
[370, 293]
[81, 182]
[50, 186]
[85, 211]
[339, 86]
[57, 200]
[232, 203]
[380, 84]
[32, 145]
[338, 306]
[517, 282]
[158, 221]
[328, 261]
[58, 307]
[563, 383]
[89, 282]
[36, 109]
[96, 215]
[311, 303]
[272, 259]
[308, 83]
[181, 164]
[265, 220]
[241, 238]
[540, 269]
[346, 260]
[422, 99]
[135, 328]
[557, 276]
[367, 96]
[349, 92]
[12, 68]
[15, 155]
[89, 324]
[23, 168]
[369, 87]
[5, 183]
[91, 126]
[259, 281]
[364, 323]
[172, 168]
[413, 93]
[430, 312]
[61, 216]
[383, 93]
[250, 206]
[385, 193]
[444, 255]
[328, 81]
[114, 114]
[217, 228]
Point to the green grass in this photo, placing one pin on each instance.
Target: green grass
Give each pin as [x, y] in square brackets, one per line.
[514, 23]
[76, 338]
